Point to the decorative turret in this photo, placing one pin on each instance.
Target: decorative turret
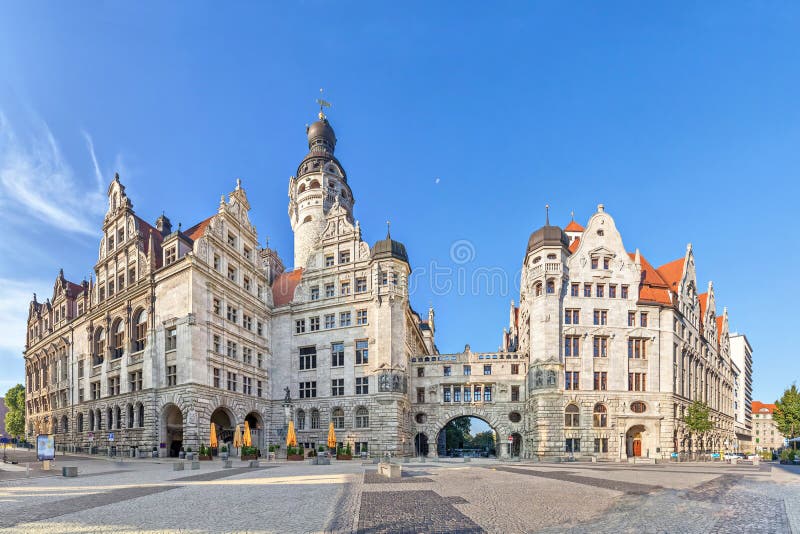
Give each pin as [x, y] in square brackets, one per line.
[389, 248]
[163, 225]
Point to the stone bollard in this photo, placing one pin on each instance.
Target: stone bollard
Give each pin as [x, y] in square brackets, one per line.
[69, 471]
[594, 459]
[390, 470]
[195, 464]
[733, 461]
[227, 464]
[254, 463]
[178, 466]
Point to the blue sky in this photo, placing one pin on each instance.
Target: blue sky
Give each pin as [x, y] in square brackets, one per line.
[455, 122]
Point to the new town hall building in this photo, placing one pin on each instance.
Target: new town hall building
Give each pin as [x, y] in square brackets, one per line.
[180, 329]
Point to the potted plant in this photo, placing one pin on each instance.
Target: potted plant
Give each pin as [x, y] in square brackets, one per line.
[182, 454]
[223, 452]
[189, 453]
[344, 453]
[205, 453]
[249, 453]
[294, 454]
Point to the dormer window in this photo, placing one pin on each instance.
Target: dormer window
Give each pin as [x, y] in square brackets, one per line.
[170, 257]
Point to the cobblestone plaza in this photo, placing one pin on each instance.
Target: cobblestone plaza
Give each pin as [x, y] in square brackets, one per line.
[442, 496]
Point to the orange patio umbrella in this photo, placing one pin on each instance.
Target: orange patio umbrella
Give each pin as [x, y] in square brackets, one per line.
[331, 437]
[247, 439]
[291, 437]
[213, 441]
[237, 437]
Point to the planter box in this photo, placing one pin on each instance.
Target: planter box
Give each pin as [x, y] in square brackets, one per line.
[204, 458]
[69, 471]
[227, 464]
[344, 456]
[178, 466]
[195, 464]
[295, 457]
[248, 457]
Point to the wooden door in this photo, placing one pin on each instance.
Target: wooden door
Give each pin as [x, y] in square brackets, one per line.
[637, 447]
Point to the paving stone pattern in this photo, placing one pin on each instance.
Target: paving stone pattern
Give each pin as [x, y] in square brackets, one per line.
[567, 476]
[372, 477]
[411, 512]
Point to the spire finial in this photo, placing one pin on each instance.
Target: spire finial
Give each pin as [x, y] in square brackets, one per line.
[388, 228]
[322, 104]
[238, 183]
[547, 214]
[572, 214]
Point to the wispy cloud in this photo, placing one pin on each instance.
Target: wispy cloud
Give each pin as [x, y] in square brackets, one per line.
[15, 296]
[36, 180]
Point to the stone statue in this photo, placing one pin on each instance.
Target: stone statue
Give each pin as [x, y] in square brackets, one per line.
[288, 397]
[551, 378]
[539, 378]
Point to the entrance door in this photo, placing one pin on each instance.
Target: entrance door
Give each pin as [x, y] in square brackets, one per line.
[637, 447]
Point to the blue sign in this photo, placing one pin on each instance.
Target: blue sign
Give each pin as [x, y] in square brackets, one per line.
[45, 447]
[715, 455]
[110, 436]
[674, 455]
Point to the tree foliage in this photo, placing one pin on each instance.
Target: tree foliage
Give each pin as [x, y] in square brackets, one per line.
[697, 419]
[787, 413]
[15, 418]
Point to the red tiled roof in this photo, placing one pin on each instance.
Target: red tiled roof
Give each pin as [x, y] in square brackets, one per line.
[672, 272]
[758, 405]
[653, 287]
[654, 294]
[573, 227]
[651, 276]
[574, 245]
[703, 297]
[719, 327]
[284, 285]
[199, 229]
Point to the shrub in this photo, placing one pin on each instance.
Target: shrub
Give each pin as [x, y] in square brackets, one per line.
[188, 449]
[787, 455]
[322, 448]
[224, 448]
[347, 450]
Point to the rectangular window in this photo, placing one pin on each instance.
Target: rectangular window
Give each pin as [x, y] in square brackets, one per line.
[330, 290]
[574, 290]
[514, 368]
[624, 292]
[308, 358]
[299, 326]
[600, 346]
[572, 317]
[329, 260]
[259, 328]
[260, 360]
[172, 375]
[420, 371]
[447, 393]
[337, 354]
[637, 348]
[587, 290]
[362, 352]
[217, 262]
[246, 283]
[232, 381]
[606, 263]
[600, 445]
[247, 355]
[362, 385]
[361, 317]
[313, 324]
[447, 370]
[171, 256]
[467, 370]
[345, 319]
[642, 319]
[231, 240]
[95, 390]
[113, 385]
[637, 381]
[135, 381]
[216, 306]
[600, 382]
[110, 291]
[260, 391]
[231, 273]
[487, 394]
[487, 369]
[361, 285]
[514, 393]
[600, 290]
[571, 379]
[594, 263]
[344, 288]
[344, 256]
[421, 395]
[572, 346]
[467, 394]
[170, 339]
[573, 445]
[247, 385]
[330, 320]
[631, 318]
[308, 390]
[600, 317]
[612, 291]
[457, 394]
[232, 314]
[315, 293]
[232, 349]
[337, 387]
[216, 377]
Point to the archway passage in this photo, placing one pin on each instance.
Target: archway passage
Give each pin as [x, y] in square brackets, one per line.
[515, 443]
[223, 420]
[256, 428]
[421, 444]
[467, 436]
[633, 440]
[172, 429]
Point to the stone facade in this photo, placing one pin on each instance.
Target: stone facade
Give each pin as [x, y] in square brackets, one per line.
[766, 436]
[179, 330]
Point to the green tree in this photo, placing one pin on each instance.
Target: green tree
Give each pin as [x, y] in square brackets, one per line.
[457, 433]
[482, 440]
[696, 418]
[15, 418]
[787, 413]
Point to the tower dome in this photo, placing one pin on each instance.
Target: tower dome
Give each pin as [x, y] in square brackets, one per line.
[321, 145]
[389, 248]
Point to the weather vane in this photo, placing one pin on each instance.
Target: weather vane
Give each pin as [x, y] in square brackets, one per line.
[322, 105]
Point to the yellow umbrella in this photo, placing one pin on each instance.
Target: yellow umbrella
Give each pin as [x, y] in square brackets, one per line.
[331, 437]
[237, 437]
[213, 441]
[247, 440]
[291, 437]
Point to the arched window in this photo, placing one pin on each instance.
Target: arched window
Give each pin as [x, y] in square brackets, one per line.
[118, 339]
[141, 415]
[638, 407]
[130, 415]
[600, 415]
[551, 287]
[110, 419]
[537, 289]
[118, 414]
[301, 420]
[301, 189]
[139, 330]
[98, 419]
[314, 419]
[362, 417]
[337, 416]
[572, 417]
[99, 346]
[91, 420]
[307, 219]
[313, 185]
[64, 424]
[80, 422]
